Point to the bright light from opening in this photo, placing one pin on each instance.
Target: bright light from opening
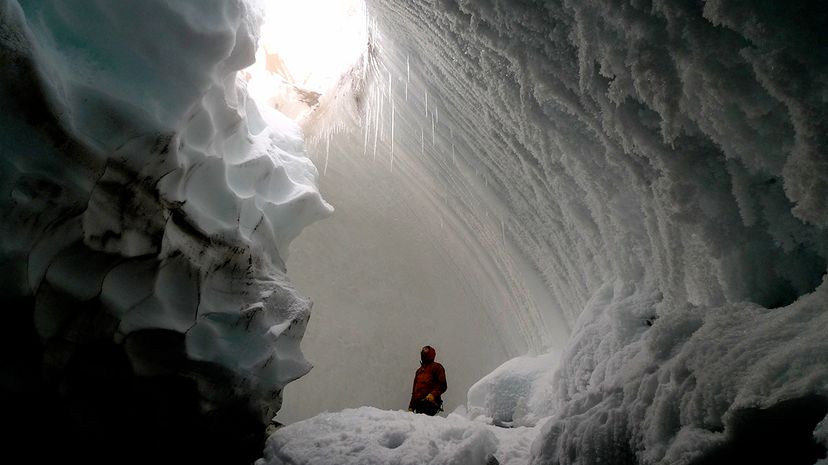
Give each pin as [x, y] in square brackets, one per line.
[306, 43]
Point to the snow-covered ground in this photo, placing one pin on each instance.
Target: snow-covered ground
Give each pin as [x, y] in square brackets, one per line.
[497, 425]
[369, 436]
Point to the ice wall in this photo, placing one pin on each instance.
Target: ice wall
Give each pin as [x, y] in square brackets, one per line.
[386, 279]
[148, 205]
[396, 268]
[652, 143]
[660, 165]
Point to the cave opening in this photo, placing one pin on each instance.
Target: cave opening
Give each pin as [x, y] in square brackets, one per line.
[304, 48]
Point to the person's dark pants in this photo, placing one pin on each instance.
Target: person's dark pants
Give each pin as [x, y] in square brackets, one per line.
[426, 407]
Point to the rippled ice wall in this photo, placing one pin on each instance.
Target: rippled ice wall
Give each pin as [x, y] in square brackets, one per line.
[665, 144]
[147, 209]
[661, 165]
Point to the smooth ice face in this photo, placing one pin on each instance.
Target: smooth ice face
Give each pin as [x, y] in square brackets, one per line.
[149, 204]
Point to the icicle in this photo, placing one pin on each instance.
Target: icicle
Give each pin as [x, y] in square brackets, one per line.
[365, 67]
[376, 136]
[376, 131]
[327, 153]
[365, 59]
[436, 115]
[407, 69]
[393, 110]
[367, 126]
[365, 141]
[382, 120]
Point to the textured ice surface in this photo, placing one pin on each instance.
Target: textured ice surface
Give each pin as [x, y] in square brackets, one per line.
[619, 141]
[144, 195]
[658, 165]
[673, 389]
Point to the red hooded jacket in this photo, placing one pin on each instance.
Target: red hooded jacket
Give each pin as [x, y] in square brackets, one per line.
[430, 378]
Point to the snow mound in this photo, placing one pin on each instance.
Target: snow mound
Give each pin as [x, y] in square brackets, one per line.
[517, 393]
[693, 384]
[369, 436]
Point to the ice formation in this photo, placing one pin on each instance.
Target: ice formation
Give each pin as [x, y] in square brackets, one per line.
[148, 207]
[660, 166]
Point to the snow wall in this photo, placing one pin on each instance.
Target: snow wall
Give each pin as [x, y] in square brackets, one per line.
[661, 165]
[659, 168]
[147, 208]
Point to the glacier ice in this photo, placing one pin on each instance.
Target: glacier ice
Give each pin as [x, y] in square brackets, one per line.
[148, 208]
[646, 163]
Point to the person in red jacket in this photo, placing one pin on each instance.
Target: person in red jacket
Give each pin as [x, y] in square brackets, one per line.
[429, 384]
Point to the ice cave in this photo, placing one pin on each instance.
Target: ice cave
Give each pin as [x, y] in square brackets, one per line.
[229, 226]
